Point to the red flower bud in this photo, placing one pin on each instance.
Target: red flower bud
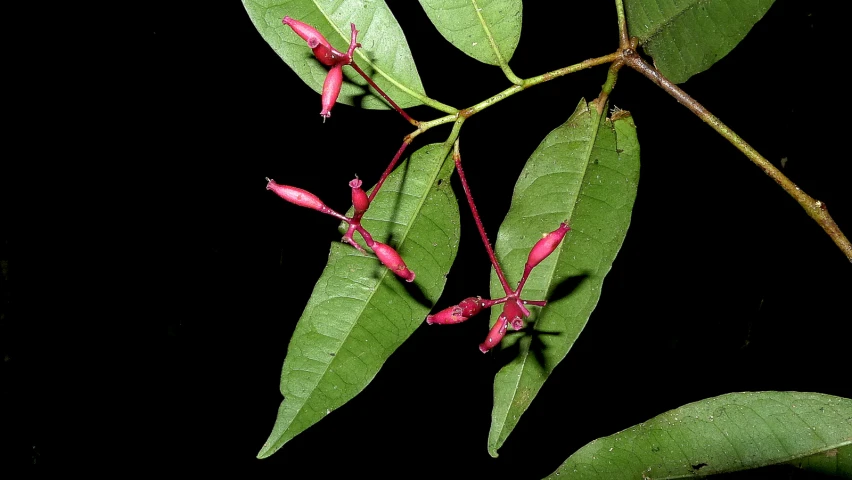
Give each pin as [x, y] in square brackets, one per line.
[359, 199]
[316, 42]
[298, 196]
[495, 335]
[457, 313]
[547, 245]
[331, 89]
[391, 259]
[514, 313]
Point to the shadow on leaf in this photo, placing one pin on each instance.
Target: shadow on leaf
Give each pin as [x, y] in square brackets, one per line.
[533, 335]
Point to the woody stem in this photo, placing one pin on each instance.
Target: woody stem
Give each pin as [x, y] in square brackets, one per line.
[814, 208]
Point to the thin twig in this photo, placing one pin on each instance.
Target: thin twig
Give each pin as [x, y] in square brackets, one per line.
[815, 208]
[488, 248]
[383, 94]
[388, 170]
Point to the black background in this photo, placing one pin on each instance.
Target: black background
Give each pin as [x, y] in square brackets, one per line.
[151, 283]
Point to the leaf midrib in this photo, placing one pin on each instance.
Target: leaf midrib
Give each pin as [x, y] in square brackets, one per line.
[491, 41]
[525, 352]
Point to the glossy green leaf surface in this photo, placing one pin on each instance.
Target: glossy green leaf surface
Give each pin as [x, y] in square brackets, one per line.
[359, 312]
[384, 54]
[686, 37]
[731, 432]
[585, 172]
[487, 30]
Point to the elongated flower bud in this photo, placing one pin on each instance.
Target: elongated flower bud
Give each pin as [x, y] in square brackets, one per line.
[547, 245]
[323, 50]
[391, 259]
[300, 197]
[359, 199]
[457, 313]
[513, 316]
[331, 89]
[495, 335]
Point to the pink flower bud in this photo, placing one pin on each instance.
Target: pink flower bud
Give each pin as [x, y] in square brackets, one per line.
[359, 199]
[495, 335]
[323, 50]
[457, 313]
[392, 260]
[298, 196]
[331, 89]
[547, 245]
[514, 313]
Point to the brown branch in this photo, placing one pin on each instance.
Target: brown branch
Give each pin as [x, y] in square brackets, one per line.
[815, 208]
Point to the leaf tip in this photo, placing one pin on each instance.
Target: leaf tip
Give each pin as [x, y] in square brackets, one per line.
[492, 450]
[269, 447]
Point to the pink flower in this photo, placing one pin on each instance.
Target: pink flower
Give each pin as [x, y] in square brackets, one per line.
[512, 315]
[323, 50]
[544, 247]
[457, 313]
[300, 197]
[495, 335]
[391, 259]
[331, 89]
[359, 198]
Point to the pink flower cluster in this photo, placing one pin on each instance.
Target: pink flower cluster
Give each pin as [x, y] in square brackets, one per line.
[386, 254]
[327, 55]
[514, 307]
[514, 310]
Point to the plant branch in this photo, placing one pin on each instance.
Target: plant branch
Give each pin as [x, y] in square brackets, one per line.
[423, 126]
[623, 37]
[815, 208]
[419, 96]
[478, 220]
[388, 170]
[608, 86]
[592, 62]
[467, 112]
[383, 94]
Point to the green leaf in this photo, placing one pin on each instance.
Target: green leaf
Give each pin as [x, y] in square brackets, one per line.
[731, 432]
[585, 172]
[834, 461]
[487, 30]
[360, 312]
[686, 37]
[384, 54]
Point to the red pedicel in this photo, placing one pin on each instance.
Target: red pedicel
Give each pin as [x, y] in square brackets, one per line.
[547, 245]
[331, 89]
[391, 259]
[457, 313]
